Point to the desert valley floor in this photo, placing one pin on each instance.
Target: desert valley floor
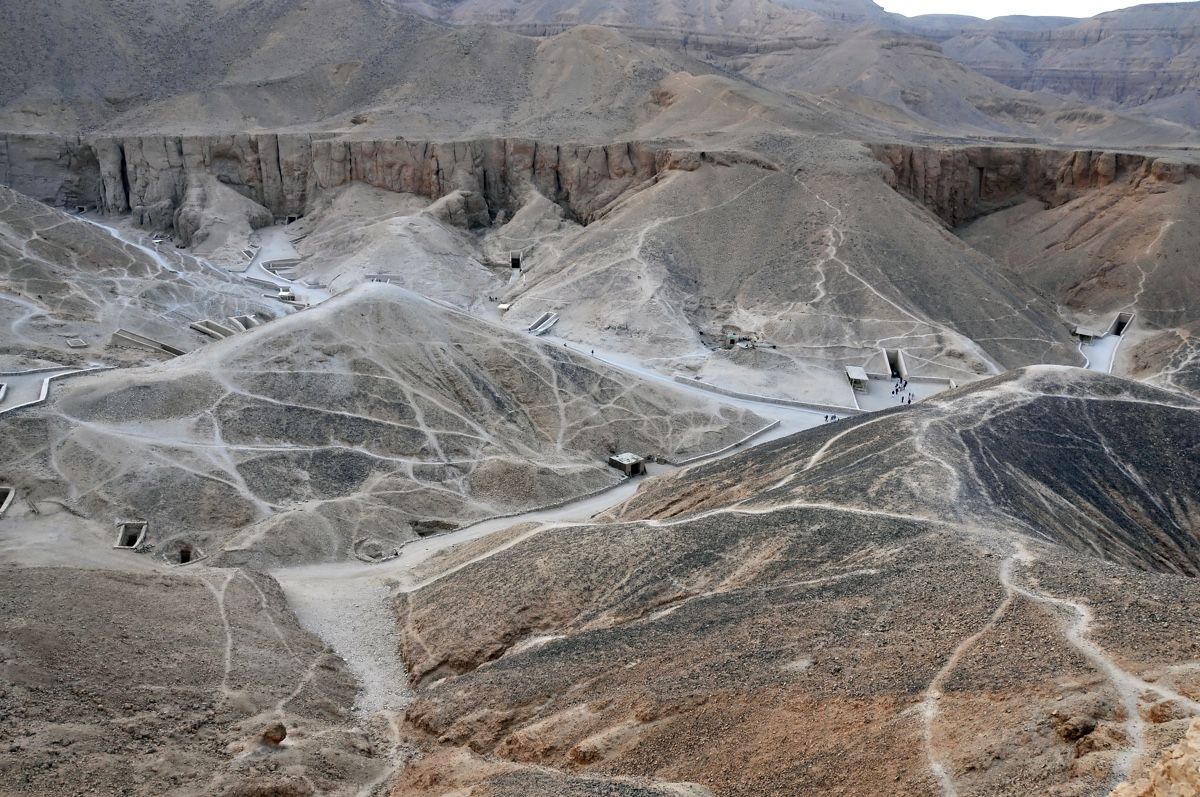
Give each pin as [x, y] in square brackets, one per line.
[485, 399]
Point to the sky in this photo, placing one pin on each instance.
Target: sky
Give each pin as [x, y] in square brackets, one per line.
[997, 8]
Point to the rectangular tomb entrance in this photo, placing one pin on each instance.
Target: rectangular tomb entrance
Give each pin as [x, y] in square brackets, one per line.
[130, 534]
[895, 361]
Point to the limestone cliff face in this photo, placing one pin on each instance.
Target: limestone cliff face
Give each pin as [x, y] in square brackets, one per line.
[148, 175]
[961, 184]
[58, 170]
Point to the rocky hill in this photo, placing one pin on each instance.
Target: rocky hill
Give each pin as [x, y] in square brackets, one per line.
[1177, 770]
[234, 74]
[1102, 233]
[781, 651]
[64, 277]
[375, 418]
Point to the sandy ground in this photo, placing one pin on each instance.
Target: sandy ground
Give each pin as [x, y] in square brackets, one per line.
[54, 538]
[1101, 352]
[879, 393]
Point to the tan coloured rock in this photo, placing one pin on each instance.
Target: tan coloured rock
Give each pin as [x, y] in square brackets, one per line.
[1177, 773]
[274, 733]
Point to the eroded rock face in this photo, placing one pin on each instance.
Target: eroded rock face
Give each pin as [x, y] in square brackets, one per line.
[1177, 773]
[211, 210]
[59, 170]
[960, 184]
[148, 175]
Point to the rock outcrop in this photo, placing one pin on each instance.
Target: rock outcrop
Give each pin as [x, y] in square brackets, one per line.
[1177, 773]
[963, 183]
[212, 213]
[148, 175]
[58, 170]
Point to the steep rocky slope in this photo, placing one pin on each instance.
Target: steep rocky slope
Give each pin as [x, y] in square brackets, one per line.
[173, 680]
[1100, 233]
[1169, 357]
[744, 17]
[1126, 246]
[971, 597]
[63, 277]
[237, 66]
[800, 261]
[367, 421]
[565, 79]
[808, 268]
[959, 184]
[910, 83]
[1078, 478]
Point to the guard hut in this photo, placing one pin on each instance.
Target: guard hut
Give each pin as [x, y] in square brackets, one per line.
[1087, 335]
[629, 464]
[857, 375]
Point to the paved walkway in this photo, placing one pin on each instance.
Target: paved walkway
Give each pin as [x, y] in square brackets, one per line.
[1101, 352]
[277, 246]
[879, 393]
[26, 387]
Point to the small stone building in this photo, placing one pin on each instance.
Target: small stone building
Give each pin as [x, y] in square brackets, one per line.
[858, 378]
[629, 464]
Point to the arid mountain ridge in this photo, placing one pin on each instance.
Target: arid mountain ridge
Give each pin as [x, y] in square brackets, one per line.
[372, 294]
[1136, 57]
[88, 77]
